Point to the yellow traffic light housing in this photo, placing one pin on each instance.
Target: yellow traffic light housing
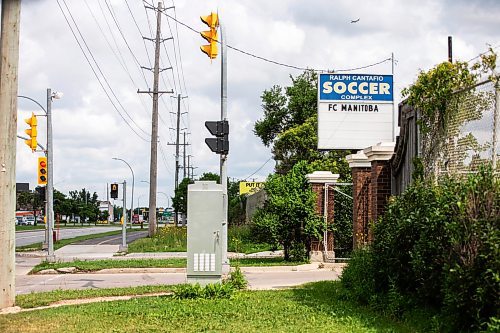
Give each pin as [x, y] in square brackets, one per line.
[211, 50]
[42, 170]
[32, 131]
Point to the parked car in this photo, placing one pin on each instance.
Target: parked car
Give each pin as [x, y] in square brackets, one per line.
[30, 220]
[20, 220]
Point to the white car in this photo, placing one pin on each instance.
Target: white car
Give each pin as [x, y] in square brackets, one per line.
[30, 220]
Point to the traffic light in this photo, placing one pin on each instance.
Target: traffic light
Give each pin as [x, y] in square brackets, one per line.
[42, 171]
[211, 50]
[114, 191]
[41, 192]
[219, 144]
[32, 131]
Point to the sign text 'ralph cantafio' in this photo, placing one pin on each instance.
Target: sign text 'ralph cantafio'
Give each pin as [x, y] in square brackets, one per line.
[250, 187]
[354, 110]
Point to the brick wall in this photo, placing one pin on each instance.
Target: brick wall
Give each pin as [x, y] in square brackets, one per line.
[379, 192]
[361, 178]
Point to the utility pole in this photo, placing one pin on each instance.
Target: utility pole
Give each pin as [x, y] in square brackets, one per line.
[184, 156]
[153, 167]
[9, 52]
[178, 130]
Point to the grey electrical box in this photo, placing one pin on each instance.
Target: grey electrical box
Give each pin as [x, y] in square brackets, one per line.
[204, 216]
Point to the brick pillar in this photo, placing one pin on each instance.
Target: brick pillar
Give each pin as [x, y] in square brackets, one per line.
[321, 182]
[361, 179]
[380, 181]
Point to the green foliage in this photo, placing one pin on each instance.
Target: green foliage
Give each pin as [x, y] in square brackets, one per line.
[210, 291]
[179, 201]
[437, 246]
[358, 277]
[237, 279]
[210, 176]
[167, 239]
[285, 108]
[434, 88]
[288, 217]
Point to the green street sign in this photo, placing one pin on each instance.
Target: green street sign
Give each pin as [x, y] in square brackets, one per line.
[167, 213]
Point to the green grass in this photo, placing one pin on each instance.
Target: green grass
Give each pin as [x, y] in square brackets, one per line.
[278, 261]
[95, 265]
[30, 227]
[174, 239]
[34, 300]
[316, 307]
[67, 241]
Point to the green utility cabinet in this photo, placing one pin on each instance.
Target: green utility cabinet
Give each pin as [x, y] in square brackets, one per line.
[204, 216]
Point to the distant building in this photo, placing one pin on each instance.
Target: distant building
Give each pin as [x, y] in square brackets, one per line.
[106, 206]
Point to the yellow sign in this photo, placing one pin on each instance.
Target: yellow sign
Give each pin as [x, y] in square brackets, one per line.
[250, 187]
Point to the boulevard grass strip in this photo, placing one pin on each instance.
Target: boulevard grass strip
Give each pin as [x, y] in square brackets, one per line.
[316, 307]
[29, 227]
[96, 265]
[34, 300]
[63, 242]
[174, 239]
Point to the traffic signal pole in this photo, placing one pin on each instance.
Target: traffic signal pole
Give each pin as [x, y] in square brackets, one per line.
[223, 157]
[50, 181]
[123, 247]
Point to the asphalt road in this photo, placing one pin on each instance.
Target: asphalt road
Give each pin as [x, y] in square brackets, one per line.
[31, 237]
[114, 239]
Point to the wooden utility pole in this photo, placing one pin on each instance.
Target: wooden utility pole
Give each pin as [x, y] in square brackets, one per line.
[9, 52]
[153, 167]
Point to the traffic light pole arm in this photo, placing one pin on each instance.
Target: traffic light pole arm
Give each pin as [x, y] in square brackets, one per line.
[34, 101]
[39, 145]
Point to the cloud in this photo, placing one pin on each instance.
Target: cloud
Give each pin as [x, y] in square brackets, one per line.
[89, 125]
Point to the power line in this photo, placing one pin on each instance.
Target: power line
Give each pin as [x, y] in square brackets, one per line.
[95, 74]
[280, 63]
[270, 158]
[123, 64]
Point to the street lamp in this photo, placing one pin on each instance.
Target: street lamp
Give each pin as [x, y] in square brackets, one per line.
[133, 181]
[49, 152]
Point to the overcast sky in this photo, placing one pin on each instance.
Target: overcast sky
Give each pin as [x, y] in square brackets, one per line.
[89, 129]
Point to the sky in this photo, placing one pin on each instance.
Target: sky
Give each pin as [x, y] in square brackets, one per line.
[101, 115]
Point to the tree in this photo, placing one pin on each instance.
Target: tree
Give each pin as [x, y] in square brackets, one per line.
[179, 201]
[210, 176]
[286, 108]
[288, 216]
[31, 200]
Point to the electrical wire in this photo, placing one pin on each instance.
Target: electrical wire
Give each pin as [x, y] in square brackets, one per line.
[123, 65]
[95, 73]
[99, 68]
[280, 63]
[270, 158]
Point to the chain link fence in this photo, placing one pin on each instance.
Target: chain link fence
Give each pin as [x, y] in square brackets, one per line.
[470, 135]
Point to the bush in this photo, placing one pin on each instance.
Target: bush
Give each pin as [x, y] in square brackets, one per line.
[359, 277]
[437, 246]
[237, 279]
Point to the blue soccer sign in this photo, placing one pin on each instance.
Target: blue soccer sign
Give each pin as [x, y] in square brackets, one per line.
[355, 87]
[355, 110]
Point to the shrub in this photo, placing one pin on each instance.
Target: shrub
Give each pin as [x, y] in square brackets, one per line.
[237, 279]
[359, 276]
[437, 246]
